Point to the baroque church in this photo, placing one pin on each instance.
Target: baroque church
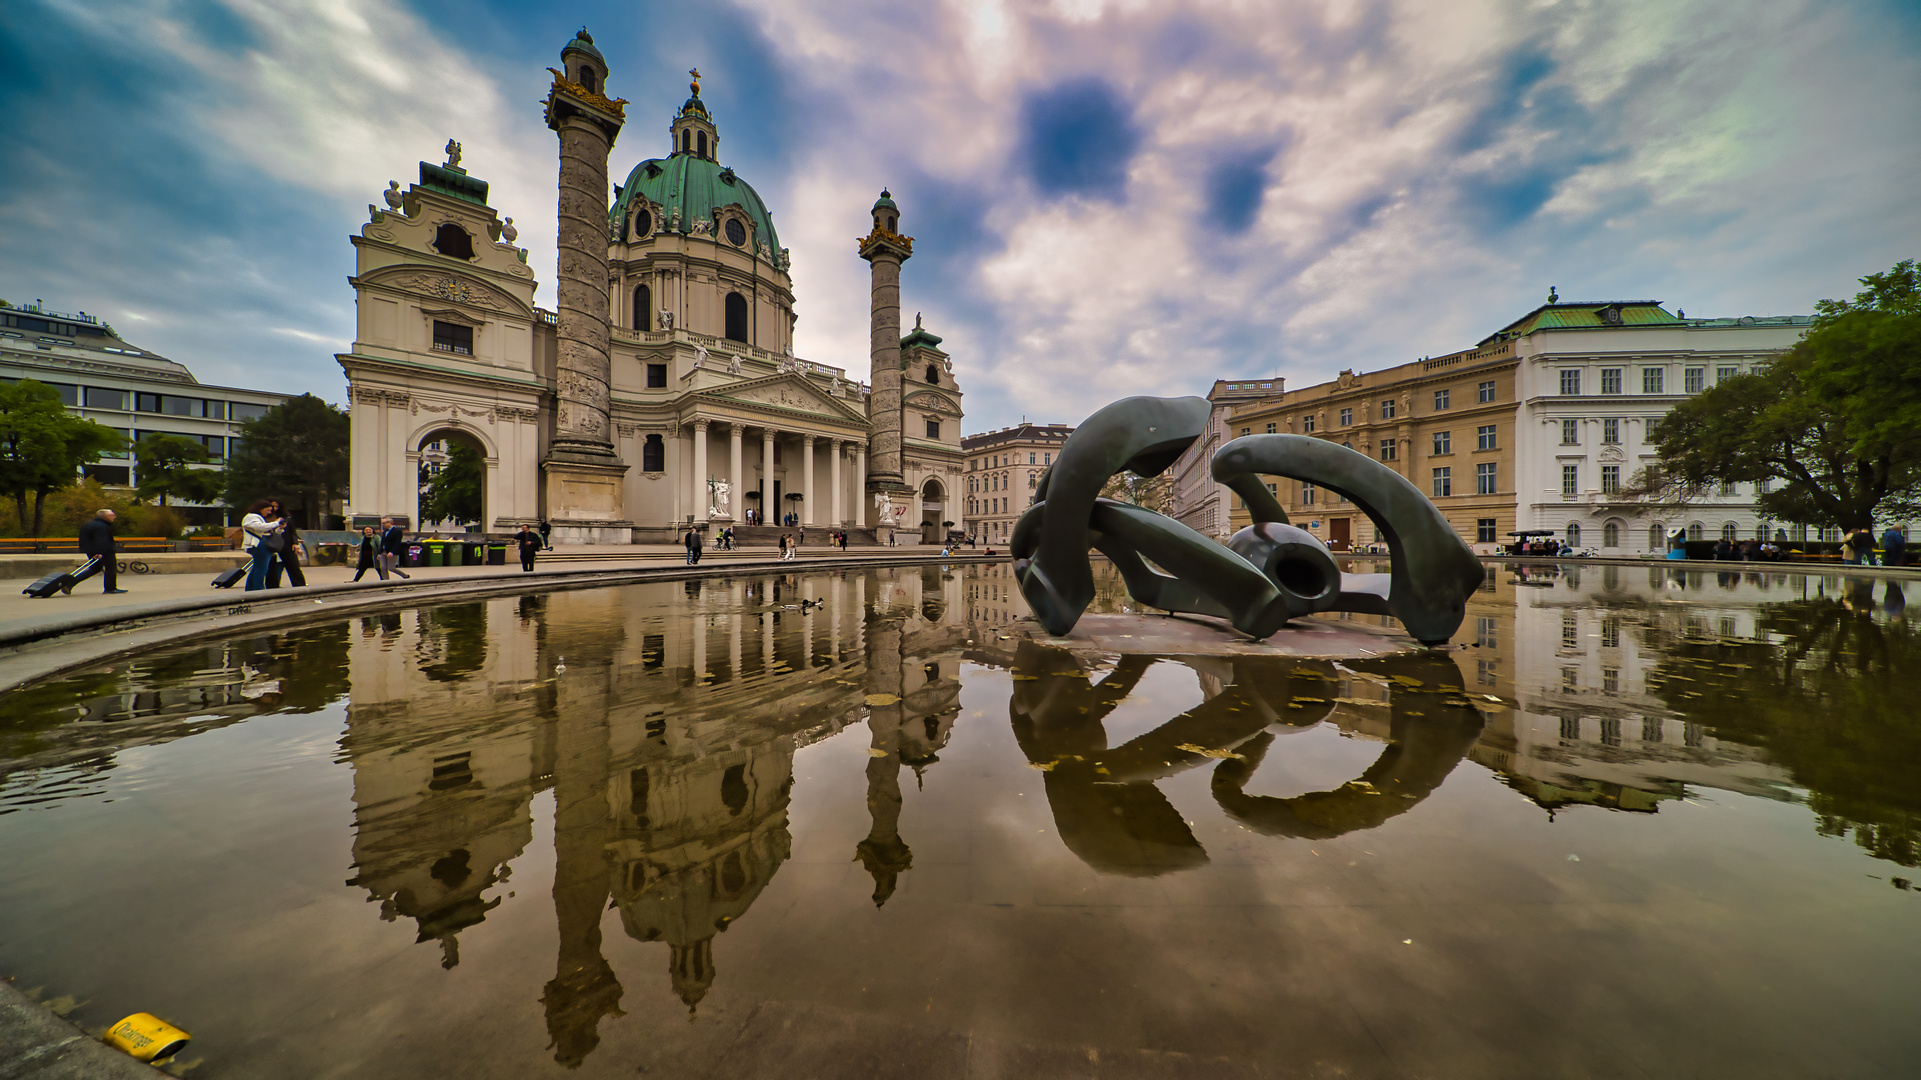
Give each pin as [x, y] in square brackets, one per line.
[663, 390]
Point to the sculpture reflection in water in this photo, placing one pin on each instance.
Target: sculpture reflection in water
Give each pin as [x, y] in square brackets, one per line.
[1268, 572]
[1112, 816]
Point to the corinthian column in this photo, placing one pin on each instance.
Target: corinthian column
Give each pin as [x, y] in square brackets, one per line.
[703, 495]
[834, 517]
[807, 479]
[885, 249]
[734, 475]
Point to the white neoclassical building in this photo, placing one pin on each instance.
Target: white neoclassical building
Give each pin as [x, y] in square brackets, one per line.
[664, 390]
[1592, 383]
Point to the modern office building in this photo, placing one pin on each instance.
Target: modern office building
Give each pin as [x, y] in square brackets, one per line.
[1003, 469]
[136, 392]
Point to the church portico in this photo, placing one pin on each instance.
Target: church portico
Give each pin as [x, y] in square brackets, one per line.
[665, 391]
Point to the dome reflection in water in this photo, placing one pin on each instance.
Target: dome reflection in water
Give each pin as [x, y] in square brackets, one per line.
[417, 833]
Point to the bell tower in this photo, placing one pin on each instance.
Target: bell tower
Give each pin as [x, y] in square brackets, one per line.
[885, 249]
[584, 474]
[693, 130]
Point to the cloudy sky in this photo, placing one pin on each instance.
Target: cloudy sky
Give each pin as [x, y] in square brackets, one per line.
[1108, 198]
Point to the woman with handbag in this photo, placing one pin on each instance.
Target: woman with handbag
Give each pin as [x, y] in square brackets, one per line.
[369, 554]
[254, 531]
[286, 551]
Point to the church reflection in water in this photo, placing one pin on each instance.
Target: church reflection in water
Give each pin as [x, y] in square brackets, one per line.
[664, 719]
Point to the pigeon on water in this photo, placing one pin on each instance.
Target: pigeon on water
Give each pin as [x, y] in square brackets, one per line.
[561, 668]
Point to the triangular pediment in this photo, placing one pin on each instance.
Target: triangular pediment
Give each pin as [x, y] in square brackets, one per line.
[788, 392]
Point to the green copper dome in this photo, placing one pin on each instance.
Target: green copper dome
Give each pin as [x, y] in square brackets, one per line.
[697, 187]
[886, 201]
[584, 42]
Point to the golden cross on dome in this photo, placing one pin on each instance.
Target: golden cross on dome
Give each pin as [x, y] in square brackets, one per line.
[695, 72]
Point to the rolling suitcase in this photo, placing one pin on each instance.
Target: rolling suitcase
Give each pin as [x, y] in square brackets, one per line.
[52, 583]
[227, 579]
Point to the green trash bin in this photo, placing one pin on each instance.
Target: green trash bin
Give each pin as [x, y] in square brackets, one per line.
[496, 554]
[436, 554]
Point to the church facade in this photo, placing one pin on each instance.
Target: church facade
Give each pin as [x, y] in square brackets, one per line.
[663, 391]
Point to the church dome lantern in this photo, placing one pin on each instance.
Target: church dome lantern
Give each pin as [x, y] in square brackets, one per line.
[693, 129]
[583, 63]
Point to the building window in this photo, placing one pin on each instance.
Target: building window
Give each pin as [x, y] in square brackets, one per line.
[1723, 374]
[933, 375]
[1047, 459]
[1270, 428]
[1653, 380]
[1484, 483]
[1730, 532]
[656, 376]
[1443, 442]
[1307, 423]
[1484, 437]
[1390, 449]
[1486, 630]
[653, 455]
[1441, 399]
[643, 308]
[453, 338]
[1610, 479]
[1347, 417]
[1444, 481]
[99, 398]
[1611, 532]
[453, 242]
[1484, 534]
[1610, 380]
[1387, 409]
[1727, 488]
[1611, 431]
[1570, 432]
[1570, 479]
[1307, 494]
[933, 429]
[1247, 431]
[1030, 460]
[246, 410]
[736, 317]
[1486, 392]
[1694, 379]
[1649, 427]
[1570, 624]
[1570, 381]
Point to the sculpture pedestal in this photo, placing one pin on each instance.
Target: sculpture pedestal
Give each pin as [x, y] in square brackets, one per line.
[585, 502]
[1199, 635]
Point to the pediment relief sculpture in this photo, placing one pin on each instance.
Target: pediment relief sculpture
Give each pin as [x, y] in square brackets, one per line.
[453, 288]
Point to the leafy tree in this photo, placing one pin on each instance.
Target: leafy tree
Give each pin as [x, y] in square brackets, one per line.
[296, 452]
[1833, 425]
[165, 464]
[1154, 493]
[455, 493]
[43, 446]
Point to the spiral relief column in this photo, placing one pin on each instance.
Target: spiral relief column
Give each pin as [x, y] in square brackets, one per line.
[585, 476]
[885, 249]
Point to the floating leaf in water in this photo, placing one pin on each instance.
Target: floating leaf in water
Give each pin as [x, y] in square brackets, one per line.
[1307, 673]
[882, 699]
[1197, 748]
[875, 751]
[1025, 678]
[1102, 769]
[1305, 699]
[1363, 787]
[1359, 701]
[1043, 766]
[1408, 681]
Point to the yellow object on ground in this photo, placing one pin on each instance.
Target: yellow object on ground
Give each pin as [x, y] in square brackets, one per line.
[147, 1037]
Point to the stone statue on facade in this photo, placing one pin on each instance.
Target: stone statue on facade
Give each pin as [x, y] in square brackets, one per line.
[392, 194]
[666, 320]
[453, 155]
[784, 261]
[717, 507]
[700, 357]
[703, 227]
[885, 508]
[733, 365]
[508, 232]
[675, 224]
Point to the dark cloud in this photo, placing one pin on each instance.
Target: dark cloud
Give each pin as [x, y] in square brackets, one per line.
[1078, 138]
[1235, 188]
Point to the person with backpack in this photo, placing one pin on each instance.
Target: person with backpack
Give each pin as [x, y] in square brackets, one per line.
[369, 554]
[1894, 547]
[96, 543]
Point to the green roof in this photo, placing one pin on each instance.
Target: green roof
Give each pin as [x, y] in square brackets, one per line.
[886, 201]
[1595, 315]
[697, 187]
[583, 41]
[453, 181]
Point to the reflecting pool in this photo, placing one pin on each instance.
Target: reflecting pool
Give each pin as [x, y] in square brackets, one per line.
[1639, 821]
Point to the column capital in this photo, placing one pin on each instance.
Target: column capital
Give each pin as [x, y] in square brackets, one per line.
[700, 424]
[734, 427]
[769, 433]
[807, 439]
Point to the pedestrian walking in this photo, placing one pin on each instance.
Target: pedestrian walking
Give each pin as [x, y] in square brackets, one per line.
[1894, 547]
[392, 539]
[546, 535]
[1864, 546]
[369, 554]
[692, 542]
[255, 528]
[285, 544]
[530, 545]
[96, 543]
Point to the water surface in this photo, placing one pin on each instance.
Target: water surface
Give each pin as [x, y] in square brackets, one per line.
[1640, 822]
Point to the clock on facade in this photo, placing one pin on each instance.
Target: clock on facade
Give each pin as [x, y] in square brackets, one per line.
[736, 232]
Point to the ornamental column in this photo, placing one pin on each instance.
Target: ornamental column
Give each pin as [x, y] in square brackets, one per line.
[734, 475]
[885, 249]
[769, 513]
[834, 516]
[584, 473]
[703, 496]
[860, 486]
[807, 479]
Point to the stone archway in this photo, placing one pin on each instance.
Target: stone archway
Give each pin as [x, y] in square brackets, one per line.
[933, 505]
[459, 459]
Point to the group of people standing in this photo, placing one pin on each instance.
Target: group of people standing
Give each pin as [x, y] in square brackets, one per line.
[1858, 548]
[272, 543]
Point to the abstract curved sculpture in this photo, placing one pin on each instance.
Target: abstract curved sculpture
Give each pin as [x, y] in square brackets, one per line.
[1267, 573]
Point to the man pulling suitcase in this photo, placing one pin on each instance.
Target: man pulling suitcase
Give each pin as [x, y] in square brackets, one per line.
[96, 543]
